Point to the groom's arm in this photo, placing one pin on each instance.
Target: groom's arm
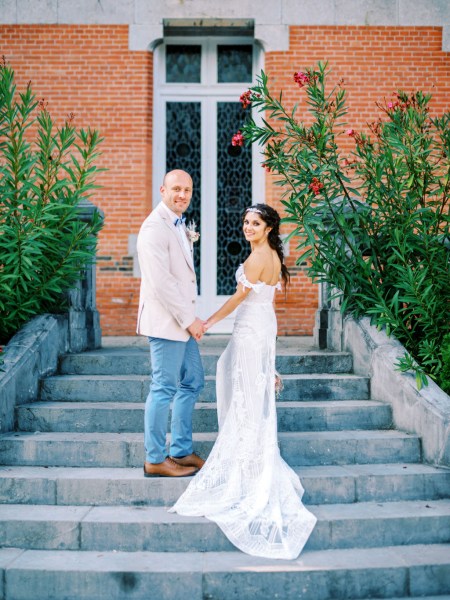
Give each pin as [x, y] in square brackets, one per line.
[153, 255]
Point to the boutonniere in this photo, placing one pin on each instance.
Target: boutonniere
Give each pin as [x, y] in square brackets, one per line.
[192, 233]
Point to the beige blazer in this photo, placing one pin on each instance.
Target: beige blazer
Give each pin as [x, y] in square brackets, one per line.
[168, 283]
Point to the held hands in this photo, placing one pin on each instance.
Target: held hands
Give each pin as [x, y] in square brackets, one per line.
[197, 329]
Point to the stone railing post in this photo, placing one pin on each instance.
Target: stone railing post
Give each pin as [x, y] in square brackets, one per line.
[321, 325]
[84, 319]
[329, 320]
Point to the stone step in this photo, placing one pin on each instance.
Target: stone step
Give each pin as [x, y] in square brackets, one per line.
[401, 571]
[154, 529]
[127, 449]
[330, 484]
[135, 361]
[440, 597]
[134, 388]
[129, 416]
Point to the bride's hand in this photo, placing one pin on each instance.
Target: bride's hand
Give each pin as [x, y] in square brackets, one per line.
[206, 325]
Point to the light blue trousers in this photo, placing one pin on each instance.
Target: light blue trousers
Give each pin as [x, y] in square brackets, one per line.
[177, 377]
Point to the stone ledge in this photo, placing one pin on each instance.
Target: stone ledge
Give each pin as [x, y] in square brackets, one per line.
[446, 38]
[31, 354]
[425, 412]
[272, 19]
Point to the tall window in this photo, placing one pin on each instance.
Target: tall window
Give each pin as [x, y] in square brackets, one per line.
[197, 110]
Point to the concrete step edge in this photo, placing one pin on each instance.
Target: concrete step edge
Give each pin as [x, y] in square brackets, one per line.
[118, 405]
[176, 562]
[130, 351]
[396, 571]
[135, 473]
[127, 449]
[205, 436]
[125, 377]
[405, 509]
[130, 528]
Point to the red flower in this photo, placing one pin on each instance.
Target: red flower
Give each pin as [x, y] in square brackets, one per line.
[301, 78]
[350, 132]
[246, 99]
[237, 139]
[42, 104]
[266, 167]
[316, 186]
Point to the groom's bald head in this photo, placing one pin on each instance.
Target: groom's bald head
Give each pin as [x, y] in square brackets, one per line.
[176, 191]
[175, 173]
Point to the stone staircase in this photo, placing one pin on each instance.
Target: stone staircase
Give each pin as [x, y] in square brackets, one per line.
[79, 521]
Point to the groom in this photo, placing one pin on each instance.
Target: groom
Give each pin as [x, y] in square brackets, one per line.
[167, 317]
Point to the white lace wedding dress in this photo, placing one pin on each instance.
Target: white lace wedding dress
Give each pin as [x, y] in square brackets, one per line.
[245, 486]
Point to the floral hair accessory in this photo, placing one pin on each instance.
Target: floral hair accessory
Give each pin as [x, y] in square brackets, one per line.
[192, 233]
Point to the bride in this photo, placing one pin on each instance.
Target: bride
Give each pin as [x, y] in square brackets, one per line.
[245, 486]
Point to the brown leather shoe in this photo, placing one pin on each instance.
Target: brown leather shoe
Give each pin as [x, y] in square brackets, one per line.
[168, 468]
[191, 460]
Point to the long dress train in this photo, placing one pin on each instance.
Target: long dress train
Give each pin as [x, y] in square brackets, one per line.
[245, 486]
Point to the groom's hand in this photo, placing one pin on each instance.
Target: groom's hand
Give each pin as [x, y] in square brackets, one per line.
[196, 329]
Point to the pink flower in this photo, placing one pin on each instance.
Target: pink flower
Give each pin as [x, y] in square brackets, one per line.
[267, 168]
[246, 99]
[237, 139]
[301, 78]
[350, 132]
[316, 186]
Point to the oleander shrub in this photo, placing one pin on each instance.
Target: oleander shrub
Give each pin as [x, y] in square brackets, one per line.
[45, 171]
[372, 222]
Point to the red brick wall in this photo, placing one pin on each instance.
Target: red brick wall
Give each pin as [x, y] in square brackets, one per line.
[89, 70]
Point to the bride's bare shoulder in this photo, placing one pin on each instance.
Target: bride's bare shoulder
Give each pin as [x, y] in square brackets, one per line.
[255, 258]
[254, 266]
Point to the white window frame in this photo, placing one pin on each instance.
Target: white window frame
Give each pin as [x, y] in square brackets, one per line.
[208, 93]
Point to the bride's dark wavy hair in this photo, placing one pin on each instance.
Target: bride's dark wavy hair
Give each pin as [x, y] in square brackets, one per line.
[272, 219]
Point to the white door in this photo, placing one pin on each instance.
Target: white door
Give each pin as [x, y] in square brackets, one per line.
[198, 82]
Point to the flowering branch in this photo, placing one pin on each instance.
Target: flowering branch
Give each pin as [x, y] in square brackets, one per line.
[372, 223]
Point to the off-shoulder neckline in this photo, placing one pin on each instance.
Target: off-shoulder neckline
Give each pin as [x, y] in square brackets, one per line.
[259, 282]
